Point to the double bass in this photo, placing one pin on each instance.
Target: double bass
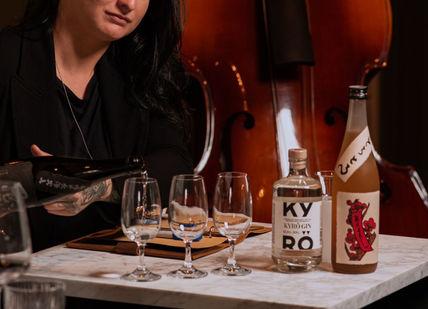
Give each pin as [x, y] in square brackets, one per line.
[253, 107]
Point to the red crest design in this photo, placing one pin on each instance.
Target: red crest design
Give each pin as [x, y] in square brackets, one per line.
[361, 235]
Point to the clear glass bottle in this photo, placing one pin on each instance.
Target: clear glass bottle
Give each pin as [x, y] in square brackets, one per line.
[296, 217]
[355, 211]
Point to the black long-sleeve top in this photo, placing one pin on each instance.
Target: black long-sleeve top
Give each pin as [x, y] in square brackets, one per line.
[31, 113]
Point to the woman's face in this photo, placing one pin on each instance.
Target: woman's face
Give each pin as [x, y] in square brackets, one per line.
[107, 20]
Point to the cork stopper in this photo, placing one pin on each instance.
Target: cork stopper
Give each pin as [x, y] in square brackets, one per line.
[297, 158]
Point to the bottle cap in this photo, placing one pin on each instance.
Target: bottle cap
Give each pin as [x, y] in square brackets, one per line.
[297, 158]
[297, 154]
[358, 92]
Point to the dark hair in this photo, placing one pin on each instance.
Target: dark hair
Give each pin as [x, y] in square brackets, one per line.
[148, 58]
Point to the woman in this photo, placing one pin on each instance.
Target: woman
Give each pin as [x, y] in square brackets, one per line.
[94, 79]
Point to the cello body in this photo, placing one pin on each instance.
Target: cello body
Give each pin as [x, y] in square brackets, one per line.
[222, 43]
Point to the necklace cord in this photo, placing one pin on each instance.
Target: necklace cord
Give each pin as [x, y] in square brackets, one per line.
[74, 116]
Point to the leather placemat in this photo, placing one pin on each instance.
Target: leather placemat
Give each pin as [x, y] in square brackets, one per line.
[114, 241]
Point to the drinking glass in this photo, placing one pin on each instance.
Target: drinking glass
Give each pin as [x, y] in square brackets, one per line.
[326, 180]
[232, 214]
[15, 241]
[141, 219]
[26, 294]
[188, 216]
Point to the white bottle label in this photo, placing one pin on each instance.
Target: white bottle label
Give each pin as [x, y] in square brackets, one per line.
[297, 225]
[357, 233]
[354, 155]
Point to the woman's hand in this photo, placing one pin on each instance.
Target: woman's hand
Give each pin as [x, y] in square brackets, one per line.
[73, 204]
[37, 152]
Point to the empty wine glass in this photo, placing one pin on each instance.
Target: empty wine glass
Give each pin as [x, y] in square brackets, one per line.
[15, 241]
[188, 216]
[232, 214]
[141, 219]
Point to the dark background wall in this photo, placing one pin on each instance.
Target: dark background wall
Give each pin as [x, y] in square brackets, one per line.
[404, 89]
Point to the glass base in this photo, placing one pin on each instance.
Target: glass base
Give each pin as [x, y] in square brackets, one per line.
[188, 273]
[289, 264]
[294, 268]
[141, 276]
[232, 270]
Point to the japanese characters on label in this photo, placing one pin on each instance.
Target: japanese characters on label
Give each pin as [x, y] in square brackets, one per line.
[354, 156]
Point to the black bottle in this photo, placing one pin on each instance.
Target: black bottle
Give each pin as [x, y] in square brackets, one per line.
[48, 179]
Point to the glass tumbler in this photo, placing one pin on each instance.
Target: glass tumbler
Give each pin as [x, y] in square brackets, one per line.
[326, 180]
[29, 294]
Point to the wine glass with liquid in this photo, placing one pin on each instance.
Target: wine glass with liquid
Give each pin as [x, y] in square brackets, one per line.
[141, 219]
[188, 217]
[232, 214]
[15, 241]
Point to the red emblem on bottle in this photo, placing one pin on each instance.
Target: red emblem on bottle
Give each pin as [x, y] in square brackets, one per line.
[361, 236]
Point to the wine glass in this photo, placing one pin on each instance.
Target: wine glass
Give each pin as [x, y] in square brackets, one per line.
[141, 219]
[232, 214]
[15, 241]
[188, 216]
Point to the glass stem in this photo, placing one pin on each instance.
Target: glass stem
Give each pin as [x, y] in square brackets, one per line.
[188, 257]
[140, 252]
[231, 260]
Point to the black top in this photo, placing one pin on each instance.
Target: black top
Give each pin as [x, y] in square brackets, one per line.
[31, 114]
[90, 118]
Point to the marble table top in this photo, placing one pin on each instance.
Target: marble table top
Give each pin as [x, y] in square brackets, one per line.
[95, 275]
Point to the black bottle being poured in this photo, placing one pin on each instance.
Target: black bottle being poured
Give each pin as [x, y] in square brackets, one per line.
[48, 179]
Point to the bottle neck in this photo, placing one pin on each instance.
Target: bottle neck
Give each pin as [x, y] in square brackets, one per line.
[298, 169]
[357, 116]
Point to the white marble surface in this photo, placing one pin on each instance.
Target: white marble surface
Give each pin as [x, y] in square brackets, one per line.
[90, 274]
